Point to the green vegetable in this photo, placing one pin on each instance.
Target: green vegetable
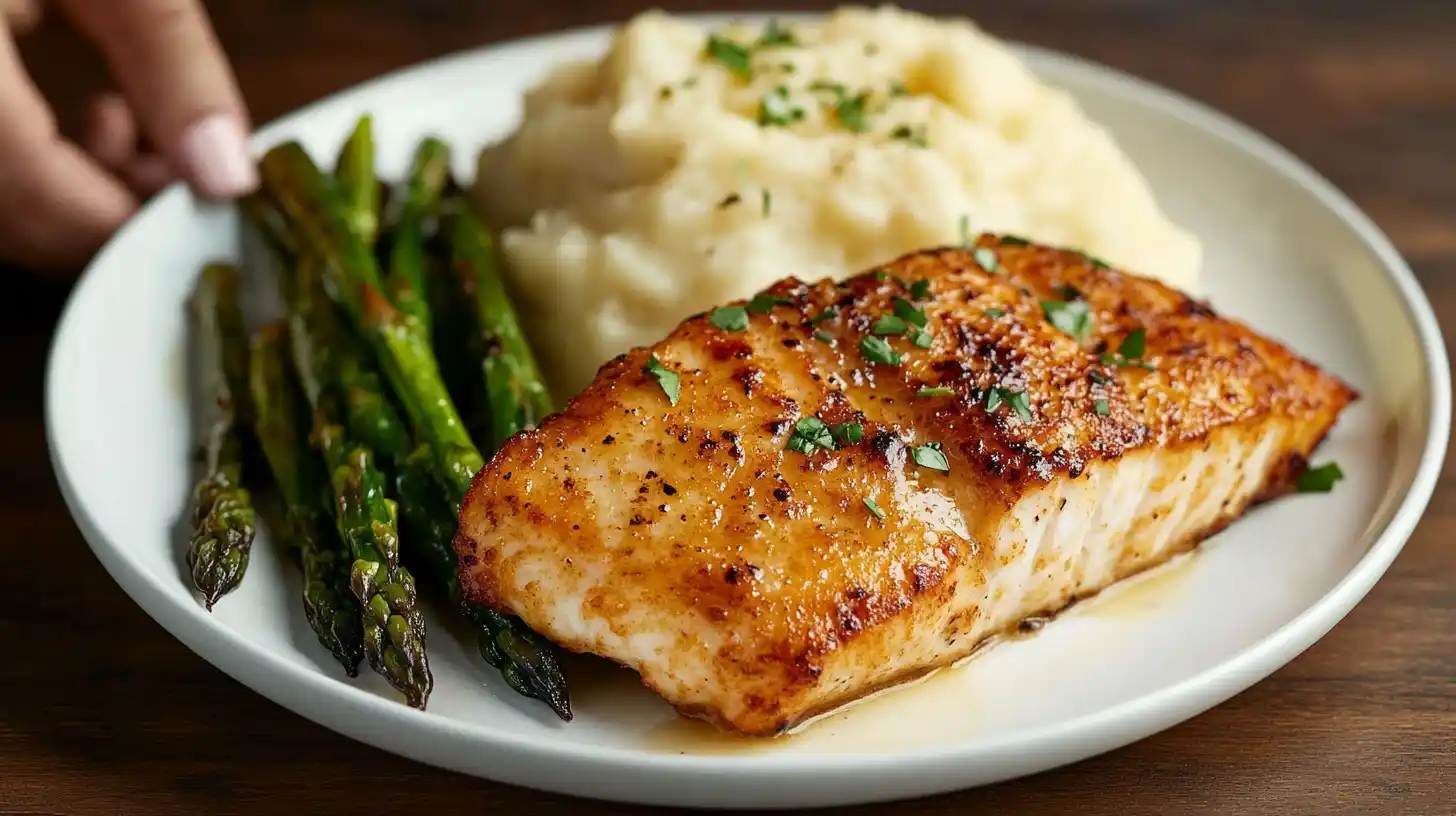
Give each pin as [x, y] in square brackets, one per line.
[930, 456]
[764, 302]
[986, 259]
[776, 110]
[1016, 399]
[827, 314]
[402, 349]
[889, 325]
[913, 136]
[515, 388]
[223, 519]
[847, 433]
[735, 58]
[1130, 353]
[773, 35]
[875, 509]
[1072, 316]
[428, 175]
[920, 290]
[666, 378]
[281, 427]
[876, 350]
[935, 392]
[358, 183]
[909, 313]
[810, 433]
[1320, 479]
[1101, 407]
[730, 318]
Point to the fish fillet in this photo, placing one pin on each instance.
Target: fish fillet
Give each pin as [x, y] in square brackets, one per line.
[758, 568]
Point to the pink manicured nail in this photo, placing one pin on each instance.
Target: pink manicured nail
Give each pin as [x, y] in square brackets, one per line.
[215, 152]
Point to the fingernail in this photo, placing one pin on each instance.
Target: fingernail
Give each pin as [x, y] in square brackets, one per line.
[215, 151]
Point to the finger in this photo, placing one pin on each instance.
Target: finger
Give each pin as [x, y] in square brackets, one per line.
[146, 174]
[167, 59]
[111, 131]
[24, 15]
[56, 205]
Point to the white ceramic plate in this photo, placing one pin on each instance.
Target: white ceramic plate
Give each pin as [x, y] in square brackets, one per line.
[1285, 252]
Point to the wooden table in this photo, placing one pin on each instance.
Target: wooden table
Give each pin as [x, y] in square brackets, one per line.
[103, 712]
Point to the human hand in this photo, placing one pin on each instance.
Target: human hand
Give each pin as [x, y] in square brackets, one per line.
[60, 201]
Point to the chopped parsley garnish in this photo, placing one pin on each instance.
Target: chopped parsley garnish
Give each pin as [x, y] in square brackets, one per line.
[995, 313]
[876, 350]
[920, 290]
[1097, 263]
[1068, 291]
[930, 456]
[922, 338]
[729, 200]
[776, 110]
[775, 35]
[851, 111]
[913, 136]
[1131, 351]
[827, 314]
[764, 302]
[889, 324]
[824, 337]
[847, 433]
[1016, 399]
[908, 313]
[1072, 316]
[935, 392]
[788, 68]
[1320, 479]
[965, 228]
[666, 378]
[810, 433]
[986, 259]
[881, 275]
[732, 56]
[767, 201]
[730, 318]
[897, 88]
[828, 86]
[1100, 406]
[1014, 240]
[1098, 377]
[875, 509]
[1134, 345]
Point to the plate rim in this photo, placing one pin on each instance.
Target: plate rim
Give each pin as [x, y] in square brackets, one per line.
[322, 699]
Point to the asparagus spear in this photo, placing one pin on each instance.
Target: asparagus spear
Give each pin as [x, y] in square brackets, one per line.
[318, 331]
[279, 425]
[394, 628]
[515, 389]
[312, 202]
[223, 519]
[525, 659]
[429, 173]
[360, 185]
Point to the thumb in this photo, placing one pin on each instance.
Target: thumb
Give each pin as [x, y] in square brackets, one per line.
[173, 72]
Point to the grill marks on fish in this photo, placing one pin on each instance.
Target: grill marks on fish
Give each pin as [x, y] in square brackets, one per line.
[763, 591]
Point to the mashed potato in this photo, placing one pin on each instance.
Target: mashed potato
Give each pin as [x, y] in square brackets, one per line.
[688, 167]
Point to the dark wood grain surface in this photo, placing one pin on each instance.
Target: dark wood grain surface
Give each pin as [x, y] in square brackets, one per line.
[102, 712]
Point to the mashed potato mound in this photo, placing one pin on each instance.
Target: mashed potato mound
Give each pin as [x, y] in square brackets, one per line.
[690, 167]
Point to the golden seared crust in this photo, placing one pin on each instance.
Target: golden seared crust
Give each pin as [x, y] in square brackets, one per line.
[762, 561]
